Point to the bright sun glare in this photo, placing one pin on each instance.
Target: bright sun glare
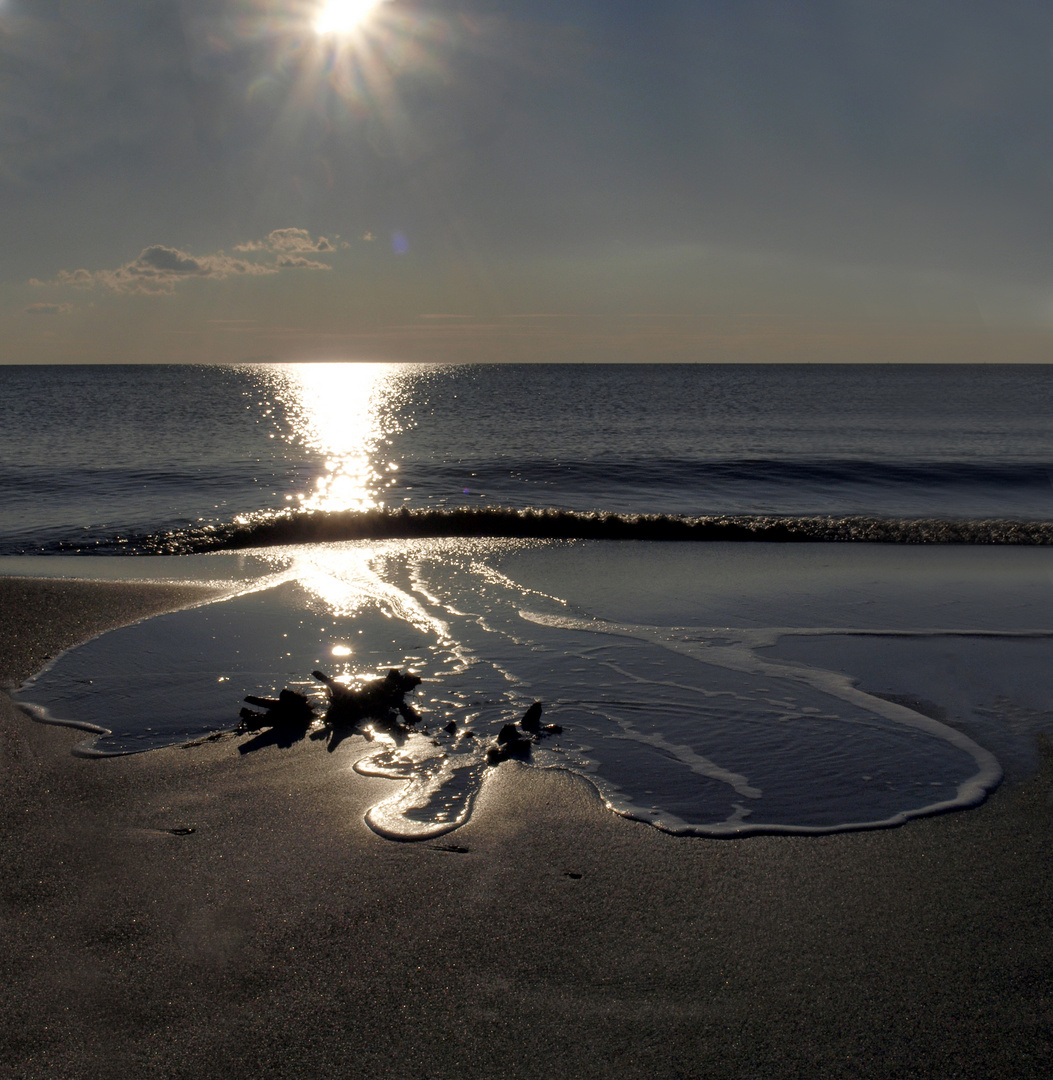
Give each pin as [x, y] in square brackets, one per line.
[339, 16]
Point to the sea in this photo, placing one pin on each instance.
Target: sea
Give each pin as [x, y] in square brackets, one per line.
[749, 598]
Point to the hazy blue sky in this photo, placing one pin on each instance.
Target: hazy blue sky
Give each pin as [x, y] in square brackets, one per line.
[526, 179]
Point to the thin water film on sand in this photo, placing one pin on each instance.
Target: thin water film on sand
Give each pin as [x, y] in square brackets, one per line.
[693, 688]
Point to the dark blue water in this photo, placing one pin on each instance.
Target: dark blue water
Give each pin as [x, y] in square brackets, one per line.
[174, 458]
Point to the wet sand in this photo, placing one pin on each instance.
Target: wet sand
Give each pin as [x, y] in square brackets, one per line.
[197, 913]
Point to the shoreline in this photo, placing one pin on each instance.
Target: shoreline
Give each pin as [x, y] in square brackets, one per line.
[194, 912]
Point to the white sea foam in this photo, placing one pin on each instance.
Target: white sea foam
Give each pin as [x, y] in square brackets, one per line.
[733, 649]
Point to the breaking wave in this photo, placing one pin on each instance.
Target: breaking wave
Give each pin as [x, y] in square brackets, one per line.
[309, 527]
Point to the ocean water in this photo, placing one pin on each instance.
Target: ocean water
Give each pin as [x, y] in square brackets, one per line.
[608, 540]
[177, 459]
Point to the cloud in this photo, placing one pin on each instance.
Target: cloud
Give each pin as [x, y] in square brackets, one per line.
[298, 262]
[49, 309]
[159, 269]
[286, 240]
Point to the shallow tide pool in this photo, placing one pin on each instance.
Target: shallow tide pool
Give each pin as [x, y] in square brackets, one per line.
[708, 689]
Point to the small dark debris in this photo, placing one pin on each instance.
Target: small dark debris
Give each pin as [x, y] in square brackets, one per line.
[181, 831]
[532, 722]
[571, 874]
[532, 719]
[510, 743]
[450, 847]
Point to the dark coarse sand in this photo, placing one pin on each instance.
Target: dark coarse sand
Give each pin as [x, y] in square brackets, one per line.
[548, 937]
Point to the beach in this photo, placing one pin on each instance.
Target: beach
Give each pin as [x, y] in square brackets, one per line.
[196, 912]
[526, 541]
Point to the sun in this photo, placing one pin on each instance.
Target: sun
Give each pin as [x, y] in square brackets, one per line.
[340, 16]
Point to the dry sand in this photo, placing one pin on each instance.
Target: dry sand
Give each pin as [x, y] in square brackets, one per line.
[282, 938]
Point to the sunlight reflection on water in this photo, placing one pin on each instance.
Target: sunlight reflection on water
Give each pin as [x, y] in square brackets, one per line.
[347, 414]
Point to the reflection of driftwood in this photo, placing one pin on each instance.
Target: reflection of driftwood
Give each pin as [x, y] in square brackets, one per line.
[381, 700]
[511, 742]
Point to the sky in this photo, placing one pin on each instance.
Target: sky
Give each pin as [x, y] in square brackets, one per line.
[490, 180]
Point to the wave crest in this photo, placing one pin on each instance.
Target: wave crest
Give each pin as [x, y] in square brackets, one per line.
[304, 527]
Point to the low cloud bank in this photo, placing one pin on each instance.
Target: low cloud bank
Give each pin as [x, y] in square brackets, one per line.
[159, 269]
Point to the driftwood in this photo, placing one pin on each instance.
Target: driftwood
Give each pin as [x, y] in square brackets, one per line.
[289, 710]
[382, 700]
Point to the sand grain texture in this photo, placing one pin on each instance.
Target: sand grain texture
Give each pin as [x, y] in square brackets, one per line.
[282, 938]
